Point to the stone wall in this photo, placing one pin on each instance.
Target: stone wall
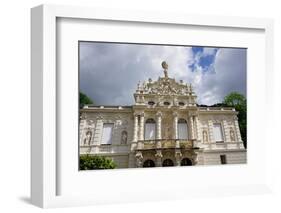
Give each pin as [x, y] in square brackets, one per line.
[232, 157]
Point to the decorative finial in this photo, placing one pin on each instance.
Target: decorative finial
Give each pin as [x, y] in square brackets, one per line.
[165, 67]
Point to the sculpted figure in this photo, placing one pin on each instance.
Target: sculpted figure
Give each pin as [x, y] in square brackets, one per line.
[124, 137]
[88, 138]
[232, 136]
[165, 67]
[205, 136]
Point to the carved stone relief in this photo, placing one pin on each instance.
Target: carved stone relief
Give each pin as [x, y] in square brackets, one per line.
[124, 137]
[88, 137]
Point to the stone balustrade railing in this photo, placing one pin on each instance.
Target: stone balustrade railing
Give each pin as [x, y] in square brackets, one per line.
[164, 144]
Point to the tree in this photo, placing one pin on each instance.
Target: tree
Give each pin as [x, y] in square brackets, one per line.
[91, 162]
[239, 102]
[235, 99]
[84, 99]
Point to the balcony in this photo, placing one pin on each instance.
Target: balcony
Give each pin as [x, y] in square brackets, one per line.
[164, 144]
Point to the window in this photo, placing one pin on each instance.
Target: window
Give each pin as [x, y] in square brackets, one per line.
[166, 103]
[223, 159]
[150, 129]
[151, 103]
[218, 133]
[182, 129]
[181, 103]
[107, 134]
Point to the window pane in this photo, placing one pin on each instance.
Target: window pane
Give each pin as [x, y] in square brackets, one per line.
[218, 132]
[107, 134]
[149, 131]
[182, 131]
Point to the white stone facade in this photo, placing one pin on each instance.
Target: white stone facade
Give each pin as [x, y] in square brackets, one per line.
[164, 127]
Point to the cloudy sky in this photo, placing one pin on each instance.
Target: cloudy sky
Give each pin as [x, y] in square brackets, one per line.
[109, 72]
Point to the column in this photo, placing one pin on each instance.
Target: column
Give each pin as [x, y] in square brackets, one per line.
[158, 125]
[237, 129]
[141, 135]
[136, 120]
[175, 125]
[191, 127]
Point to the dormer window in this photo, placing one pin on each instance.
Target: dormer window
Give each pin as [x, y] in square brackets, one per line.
[166, 103]
[181, 104]
[151, 103]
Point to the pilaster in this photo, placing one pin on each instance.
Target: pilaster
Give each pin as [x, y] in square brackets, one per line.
[158, 157]
[135, 137]
[226, 131]
[211, 133]
[191, 127]
[175, 115]
[141, 132]
[237, 130]
[197, 128]
[98, 132]
[158, 125]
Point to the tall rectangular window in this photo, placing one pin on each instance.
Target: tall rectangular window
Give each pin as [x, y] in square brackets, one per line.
[223, 159]
[182, 131]
[149, 131]
[107, 134]
[218, 132]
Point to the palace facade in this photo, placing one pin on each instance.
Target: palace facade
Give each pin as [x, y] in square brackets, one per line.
[164, 127]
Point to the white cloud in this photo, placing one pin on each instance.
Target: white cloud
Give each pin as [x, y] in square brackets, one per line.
[109, 73]
[229, 75]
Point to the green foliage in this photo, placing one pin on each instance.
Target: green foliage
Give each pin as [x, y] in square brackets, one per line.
[84, 99]
[235, 99]
[91, 162]
[239, 102]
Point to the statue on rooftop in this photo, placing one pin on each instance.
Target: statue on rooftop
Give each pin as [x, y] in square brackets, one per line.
[165, 67]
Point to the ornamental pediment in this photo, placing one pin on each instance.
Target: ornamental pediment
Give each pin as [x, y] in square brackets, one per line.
[166, 86]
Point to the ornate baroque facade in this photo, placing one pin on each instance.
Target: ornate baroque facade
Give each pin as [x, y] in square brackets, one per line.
[164, 127]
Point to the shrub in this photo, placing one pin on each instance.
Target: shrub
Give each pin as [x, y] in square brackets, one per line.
[91, 162]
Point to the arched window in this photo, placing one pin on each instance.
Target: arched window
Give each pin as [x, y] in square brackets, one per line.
[150, 126]
[182, 129]
[124, 136]
[148, 163]
[167, 162]
[186, 162]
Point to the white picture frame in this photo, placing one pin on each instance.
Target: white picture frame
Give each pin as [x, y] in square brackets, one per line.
[44, 154]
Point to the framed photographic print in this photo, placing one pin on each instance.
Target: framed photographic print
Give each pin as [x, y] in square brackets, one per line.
[149, 106]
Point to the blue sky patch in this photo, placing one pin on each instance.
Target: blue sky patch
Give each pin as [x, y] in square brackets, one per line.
[203, 58]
